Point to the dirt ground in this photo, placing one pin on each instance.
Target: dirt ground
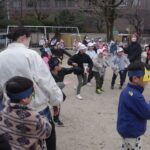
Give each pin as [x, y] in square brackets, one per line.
[90, 124]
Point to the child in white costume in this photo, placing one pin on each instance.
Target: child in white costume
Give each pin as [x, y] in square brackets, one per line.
[100, 63]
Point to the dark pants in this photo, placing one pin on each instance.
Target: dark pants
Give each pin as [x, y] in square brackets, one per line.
[50, 141]
[82, 80]
[90, 76]
[56, 112]
[99, 80]
[122, 74]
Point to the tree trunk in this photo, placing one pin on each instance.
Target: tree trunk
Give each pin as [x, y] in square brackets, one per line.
[111, 37]
[107, 30]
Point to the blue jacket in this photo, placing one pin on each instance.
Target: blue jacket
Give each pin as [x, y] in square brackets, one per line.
[133, 112]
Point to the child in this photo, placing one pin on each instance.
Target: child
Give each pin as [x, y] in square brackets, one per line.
[133, 110]
[99, 67]
[148, 54]
[119, 65]
[92, 55]
[144, 54]
[46, 57]
[84, 62]
[59, 73]
[21, 126]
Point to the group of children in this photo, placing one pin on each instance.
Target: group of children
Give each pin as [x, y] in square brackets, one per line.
[32, 128]
[97, 61]
[92, 62]
[21, 127]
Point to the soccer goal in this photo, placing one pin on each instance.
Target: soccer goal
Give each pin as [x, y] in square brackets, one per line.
[68, 34]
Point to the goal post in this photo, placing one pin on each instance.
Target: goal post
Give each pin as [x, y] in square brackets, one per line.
[68, 33]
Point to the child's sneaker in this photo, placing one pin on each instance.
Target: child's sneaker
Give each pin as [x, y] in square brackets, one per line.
[98, 91]
[102, 90]
[59, 123]
[79, 96]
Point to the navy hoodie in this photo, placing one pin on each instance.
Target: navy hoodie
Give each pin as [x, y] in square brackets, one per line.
[133, 112]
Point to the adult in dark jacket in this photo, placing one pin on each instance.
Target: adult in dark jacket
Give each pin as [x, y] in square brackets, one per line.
[134, 50]
[84, 62]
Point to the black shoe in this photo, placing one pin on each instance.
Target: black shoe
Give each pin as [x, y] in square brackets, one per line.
[59, 123]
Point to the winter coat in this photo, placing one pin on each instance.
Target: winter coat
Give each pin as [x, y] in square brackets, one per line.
[134, 51]
[100, 64]
[59, 78]
[133, 112]
[80, 59]
[119, 63]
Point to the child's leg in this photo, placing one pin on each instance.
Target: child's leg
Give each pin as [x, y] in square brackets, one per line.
[51, 141]
[56, 113]
[124, 75]
[113, 80]
[84, 76]
[90, 76]
[97, 78]
[131, 144]
[79, 83]
[121, 73]
[101, 81]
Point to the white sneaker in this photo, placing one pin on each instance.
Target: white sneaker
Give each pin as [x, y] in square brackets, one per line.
[79, 96]
[89, 84]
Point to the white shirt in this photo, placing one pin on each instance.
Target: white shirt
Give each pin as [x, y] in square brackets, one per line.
[144, 57]
[41, 42]
[17, 60]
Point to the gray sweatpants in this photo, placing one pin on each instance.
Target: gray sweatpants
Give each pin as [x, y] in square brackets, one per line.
[82, 80]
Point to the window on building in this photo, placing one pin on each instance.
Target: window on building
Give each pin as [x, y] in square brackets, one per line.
[29, 3]
[16, 3]
[71, 3]
[60, 3]
[44, 3]
[136, 3]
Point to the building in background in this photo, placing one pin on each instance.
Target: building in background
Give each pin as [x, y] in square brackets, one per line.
[17, 9]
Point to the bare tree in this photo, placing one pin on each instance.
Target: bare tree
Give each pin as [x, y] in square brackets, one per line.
[38, 11]
[106, 10]
[135, 19]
